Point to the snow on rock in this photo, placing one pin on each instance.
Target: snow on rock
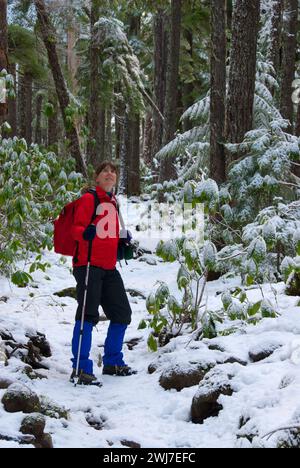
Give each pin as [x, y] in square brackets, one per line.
[263, 350]
[19, 397]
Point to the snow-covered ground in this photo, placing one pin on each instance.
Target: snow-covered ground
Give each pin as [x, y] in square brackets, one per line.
[137, 408]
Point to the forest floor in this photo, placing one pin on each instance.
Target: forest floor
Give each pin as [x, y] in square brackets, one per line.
[136, 408]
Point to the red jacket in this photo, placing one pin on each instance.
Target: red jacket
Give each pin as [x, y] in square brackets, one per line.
[105, 244]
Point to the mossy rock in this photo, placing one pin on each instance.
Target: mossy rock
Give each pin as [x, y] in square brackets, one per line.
[52, 409]
[18, 397]
[67, 292]
[33, 424]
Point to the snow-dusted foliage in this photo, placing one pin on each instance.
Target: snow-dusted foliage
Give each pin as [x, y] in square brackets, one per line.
[34, 186]
[119, 64]
[265, 169]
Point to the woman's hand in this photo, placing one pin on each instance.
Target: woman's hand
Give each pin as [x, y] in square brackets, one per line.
[125, 236]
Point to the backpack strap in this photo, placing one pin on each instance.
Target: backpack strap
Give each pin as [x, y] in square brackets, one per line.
[96, 204]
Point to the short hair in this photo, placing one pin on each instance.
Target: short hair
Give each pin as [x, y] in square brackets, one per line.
[114, 166]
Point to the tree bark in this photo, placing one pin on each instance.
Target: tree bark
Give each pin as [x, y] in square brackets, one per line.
[275, 36]
[96, 142]
[38, 122]
[167, 168]
[49, 39]
[296, 169]
[218, 90]
[159, 90]
[52, 137]
[288, 59]
[3, 55]
[297, 128]
[133, 173]
[124, 152]
[12, 104]
[108, 134]
[188, 88]
[239, 112]
[119, 116]
[133, 186]
[72, 59]
[147, 140]
[25, 107]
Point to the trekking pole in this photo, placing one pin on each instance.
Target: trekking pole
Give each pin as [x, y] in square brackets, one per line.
[76, 379]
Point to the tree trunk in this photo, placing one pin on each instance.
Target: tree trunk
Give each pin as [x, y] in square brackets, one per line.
[297, 128]
[275, 36]
[218, 90]
[188, 88]
[49, 39]
[133, 157]
[239, 112]
[25, 107]
[3, 55]
[29, 117]
[160, 69]
[53, 124]
[147, 140]
[133, 186]
[12, 104]
[288, 59]
[38, 122]
[296, 169]
[167, 169]
[96, 142]
[72, 59]
[124, 152]
[119, 115]
[108, 134]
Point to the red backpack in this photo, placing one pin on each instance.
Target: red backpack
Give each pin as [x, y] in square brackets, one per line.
[64, 243]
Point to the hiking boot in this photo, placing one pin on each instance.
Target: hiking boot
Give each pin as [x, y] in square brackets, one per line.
[122, 371]
[85, 379]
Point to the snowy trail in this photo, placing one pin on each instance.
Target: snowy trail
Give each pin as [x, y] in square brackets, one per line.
[136, 408]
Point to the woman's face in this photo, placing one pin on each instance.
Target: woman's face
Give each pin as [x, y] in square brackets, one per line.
[107, 179]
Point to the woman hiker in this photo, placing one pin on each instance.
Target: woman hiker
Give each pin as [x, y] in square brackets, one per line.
[105, 285]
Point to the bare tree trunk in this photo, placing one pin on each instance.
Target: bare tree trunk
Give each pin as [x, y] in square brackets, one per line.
[218, 90]
[38, 122]
[147, 140]
[167, 169]
[29, 117]
[49, 39]
[275, 36]
[25, 107]
[124, 152]
[108, 134]
[133, 185]
[72, 59]
[297, 128]
[118, 134]
[3, 55]
[52, 138]
[288, 59]
[96, 142]
[119, 114]
[239, 112]
[296, 169]
[188, 88]
[160, 69]
[12, 104]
